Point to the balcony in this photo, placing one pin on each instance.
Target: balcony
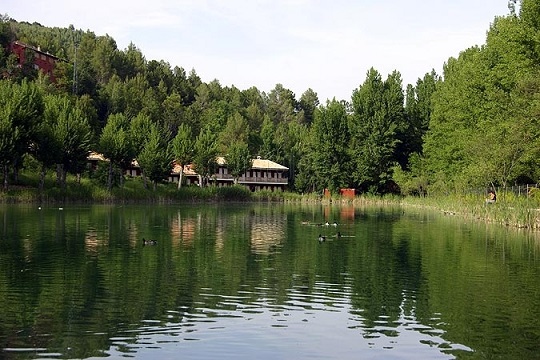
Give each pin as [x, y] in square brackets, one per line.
[252, 179]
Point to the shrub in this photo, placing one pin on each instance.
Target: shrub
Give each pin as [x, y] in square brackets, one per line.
[534, 194]
[233, 193]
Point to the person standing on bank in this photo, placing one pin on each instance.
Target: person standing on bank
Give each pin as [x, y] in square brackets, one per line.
[492, 197]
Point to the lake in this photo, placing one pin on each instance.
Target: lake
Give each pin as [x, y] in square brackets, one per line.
[254, 281]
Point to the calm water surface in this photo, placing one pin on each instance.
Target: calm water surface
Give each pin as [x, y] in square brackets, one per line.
[254, 281]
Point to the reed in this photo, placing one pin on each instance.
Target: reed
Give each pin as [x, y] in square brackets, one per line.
[302, 198]
[266, 195]
[233, 193]
[509, 210]
[133, 190]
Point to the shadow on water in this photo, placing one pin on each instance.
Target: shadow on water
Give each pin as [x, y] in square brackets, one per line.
[255, 281]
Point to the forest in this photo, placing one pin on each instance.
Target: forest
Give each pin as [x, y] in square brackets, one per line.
[473, 126]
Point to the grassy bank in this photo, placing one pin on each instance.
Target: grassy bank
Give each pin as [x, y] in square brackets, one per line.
[510, 210]
[133, 191]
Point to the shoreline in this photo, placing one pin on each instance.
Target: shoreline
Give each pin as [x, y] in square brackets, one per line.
[519, 213]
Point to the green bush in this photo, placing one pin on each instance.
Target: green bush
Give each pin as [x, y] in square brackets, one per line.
[233, 193]
[534, 194]
[101, 174]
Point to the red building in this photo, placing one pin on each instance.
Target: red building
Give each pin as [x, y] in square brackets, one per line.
[43, 61]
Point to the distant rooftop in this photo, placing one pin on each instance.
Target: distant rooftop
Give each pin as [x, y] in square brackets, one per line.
[38, 50]
[258, 163]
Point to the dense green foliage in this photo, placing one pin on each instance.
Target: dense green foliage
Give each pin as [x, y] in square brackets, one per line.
[182, 149]
[238, 159]
[476, 125]
[484, 123]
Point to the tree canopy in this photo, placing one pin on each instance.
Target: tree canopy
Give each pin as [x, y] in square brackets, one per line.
[475, 124]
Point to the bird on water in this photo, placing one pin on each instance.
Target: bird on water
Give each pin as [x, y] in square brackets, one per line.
[149, 242]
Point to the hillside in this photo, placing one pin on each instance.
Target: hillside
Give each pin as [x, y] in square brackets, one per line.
[475, 125]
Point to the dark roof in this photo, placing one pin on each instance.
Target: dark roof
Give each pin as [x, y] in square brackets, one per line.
[38, 50]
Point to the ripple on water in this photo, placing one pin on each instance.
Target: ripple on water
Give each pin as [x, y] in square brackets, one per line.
[226, 324]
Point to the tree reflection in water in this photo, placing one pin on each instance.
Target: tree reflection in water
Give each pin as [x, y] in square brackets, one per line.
[253, 281]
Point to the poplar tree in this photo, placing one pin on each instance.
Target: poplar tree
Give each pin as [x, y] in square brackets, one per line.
[373, 134]
[75, 136]
[329, 147]
[182, 149]
[21, 111]
[155, 159]
[238, 159]
[115, 144]
[46, 146]
[204, 158]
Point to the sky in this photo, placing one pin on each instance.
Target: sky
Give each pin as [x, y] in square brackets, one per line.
[327, 46]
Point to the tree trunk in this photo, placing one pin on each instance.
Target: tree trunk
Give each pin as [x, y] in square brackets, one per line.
[16, 171]
[64, 174]
[5, 184]
[59, 168]
[42, 178]
[110, 177]
[180, 179]
[145, 181]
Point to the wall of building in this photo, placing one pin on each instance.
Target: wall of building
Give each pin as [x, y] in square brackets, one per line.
[42, 61]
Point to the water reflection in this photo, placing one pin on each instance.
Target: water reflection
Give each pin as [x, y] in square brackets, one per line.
[266, 233]
[253, 281]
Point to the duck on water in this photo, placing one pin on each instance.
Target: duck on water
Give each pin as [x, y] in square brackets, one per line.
[148, 242]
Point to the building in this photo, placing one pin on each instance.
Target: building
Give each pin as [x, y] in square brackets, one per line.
[93, 159]
[263, 175]
[42, 61]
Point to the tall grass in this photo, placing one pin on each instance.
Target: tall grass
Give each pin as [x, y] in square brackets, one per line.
[509, 210]
[132, 191]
